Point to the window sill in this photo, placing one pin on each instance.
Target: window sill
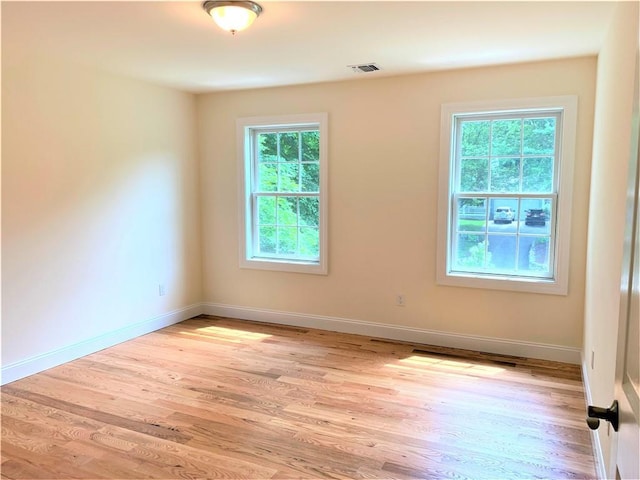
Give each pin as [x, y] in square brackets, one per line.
[491, 282]
[316, 268]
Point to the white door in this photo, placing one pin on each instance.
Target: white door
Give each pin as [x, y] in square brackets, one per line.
[626, 443]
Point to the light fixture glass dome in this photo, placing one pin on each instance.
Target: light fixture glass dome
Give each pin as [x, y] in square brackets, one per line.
[232, 16]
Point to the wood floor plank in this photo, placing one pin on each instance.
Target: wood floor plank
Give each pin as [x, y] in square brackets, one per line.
[25, 463]
[213, 397]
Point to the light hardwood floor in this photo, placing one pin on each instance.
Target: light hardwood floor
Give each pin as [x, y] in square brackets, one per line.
[219, 398]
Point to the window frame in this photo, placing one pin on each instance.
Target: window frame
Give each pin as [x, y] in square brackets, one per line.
[246, 129]
[562, 193]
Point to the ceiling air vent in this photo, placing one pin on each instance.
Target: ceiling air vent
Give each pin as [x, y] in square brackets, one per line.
[364, 68]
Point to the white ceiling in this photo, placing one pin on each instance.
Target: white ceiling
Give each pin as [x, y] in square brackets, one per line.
[178, 45]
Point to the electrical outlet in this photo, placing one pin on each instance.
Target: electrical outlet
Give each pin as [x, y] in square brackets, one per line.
[161, 290]
[593, 359]
[400, 300]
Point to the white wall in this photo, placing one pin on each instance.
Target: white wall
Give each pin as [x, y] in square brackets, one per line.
[383, 157]
[611, 145]
[100, 204]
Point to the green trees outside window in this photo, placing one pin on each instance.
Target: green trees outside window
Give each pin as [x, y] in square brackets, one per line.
[287, 193]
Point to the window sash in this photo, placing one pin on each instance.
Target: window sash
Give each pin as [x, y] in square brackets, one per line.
[517, 234]
[460, 118]
[255, 227]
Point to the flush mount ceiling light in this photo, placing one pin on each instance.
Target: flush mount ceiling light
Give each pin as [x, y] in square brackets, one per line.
[232, 16]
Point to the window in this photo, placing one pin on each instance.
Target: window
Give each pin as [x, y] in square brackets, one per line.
[505, 194]
[283, 204]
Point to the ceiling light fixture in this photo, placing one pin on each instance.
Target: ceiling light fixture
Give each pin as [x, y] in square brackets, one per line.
[232, 16]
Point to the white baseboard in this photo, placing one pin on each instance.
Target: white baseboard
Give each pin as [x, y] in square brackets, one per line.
[395, 332]
[29, 366]
[595, 434]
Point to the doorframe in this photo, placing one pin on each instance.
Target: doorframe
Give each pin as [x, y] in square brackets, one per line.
[598, 453]
[630, 252]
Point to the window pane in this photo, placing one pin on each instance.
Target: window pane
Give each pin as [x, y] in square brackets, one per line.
[267, 147]
[475, 139]
[537, 174]
[289, 147]
[534, 255]
[474, 175]
[309, 242]
[503, 252]
[310, 177]
[287, 211]
[539, 136]
[266, 210]
[310, 146]
[267, 239]
[470, 252]
[472, 215]
[536, 213]
[289, 177]
[506, 137]
[309, 211]
[287, 240]
[505, 174]
[267, 177]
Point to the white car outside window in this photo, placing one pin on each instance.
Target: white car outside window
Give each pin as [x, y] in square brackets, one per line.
[503, 215]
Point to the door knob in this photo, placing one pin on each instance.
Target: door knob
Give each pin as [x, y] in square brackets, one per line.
[593, 423]
[594, 414]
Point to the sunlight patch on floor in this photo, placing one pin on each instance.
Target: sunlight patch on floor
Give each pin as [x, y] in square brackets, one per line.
[227, 334]
[424, 364]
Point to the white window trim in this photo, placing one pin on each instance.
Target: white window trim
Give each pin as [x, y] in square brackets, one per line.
[243, 129]
[567, 143]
